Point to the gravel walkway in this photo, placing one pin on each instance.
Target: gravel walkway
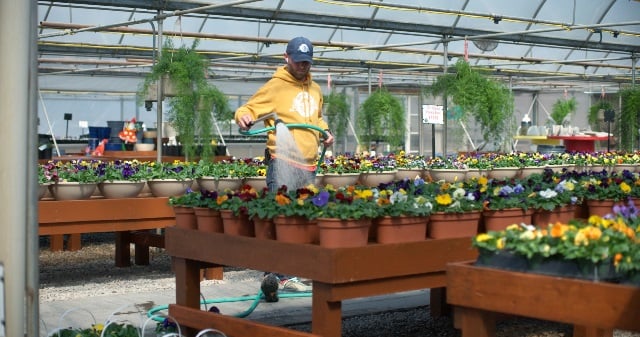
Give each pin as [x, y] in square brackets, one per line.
[89, 272]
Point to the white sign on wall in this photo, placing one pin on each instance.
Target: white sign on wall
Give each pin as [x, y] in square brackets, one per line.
[432, 114]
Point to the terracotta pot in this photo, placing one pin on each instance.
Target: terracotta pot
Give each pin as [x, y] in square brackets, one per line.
[497, 220]
[453, 225]
[264, 229]
[208, 220]
[239, 225]
[601, 207]
[185, 217]
[400, 229]
[338, 233]
[296, 229]
[542, 218]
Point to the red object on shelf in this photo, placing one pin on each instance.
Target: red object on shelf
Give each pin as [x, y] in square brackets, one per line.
[579, 143]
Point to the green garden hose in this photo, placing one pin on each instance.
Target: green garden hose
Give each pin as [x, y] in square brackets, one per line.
[293, 126]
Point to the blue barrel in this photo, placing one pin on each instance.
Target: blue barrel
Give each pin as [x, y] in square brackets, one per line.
[99, 132]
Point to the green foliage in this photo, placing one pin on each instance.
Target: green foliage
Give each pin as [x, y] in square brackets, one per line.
[191, 109]
[381, 118]
[562, 108]
[488, 101]
[593, 112]
[337, 112]
[629, 122]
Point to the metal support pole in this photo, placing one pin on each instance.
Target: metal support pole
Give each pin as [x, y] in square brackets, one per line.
[18, 71]
[444, 100]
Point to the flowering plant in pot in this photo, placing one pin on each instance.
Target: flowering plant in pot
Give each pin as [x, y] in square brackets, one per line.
[404, 198]
[350, 202]
[410, 161]
[502, 195]
[80, 171]
[46, 172]
[190, 198]
[237, 201]
[123, 170]
[177, 170]
[340, 164]
[604, 186]
[456, 197]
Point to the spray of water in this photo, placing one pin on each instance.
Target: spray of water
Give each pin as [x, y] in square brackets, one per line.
[287, 151]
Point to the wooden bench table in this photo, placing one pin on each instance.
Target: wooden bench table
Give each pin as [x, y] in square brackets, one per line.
[133, 220]
[479, 294]
[337, 274]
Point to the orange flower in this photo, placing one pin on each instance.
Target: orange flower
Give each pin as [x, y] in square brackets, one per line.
[558, 230]
[617, 258]
[282, 199]
[221, 199]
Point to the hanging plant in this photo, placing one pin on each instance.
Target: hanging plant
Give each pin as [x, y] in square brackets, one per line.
[196, 101]
[381, 118]
[629, 122]
[337, 112]
[488, 101]
[562, 109]
[594, 112]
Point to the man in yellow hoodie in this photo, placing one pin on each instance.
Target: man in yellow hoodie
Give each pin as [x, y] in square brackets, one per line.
[294, 98]
[291, 158]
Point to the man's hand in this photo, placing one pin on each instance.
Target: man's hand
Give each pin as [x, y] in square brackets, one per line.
[329, 140]
[245, 122]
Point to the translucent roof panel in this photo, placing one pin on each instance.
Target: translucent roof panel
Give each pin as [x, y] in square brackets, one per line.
[591, 41]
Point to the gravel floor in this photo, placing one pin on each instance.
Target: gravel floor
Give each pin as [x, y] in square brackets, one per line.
[89, 272]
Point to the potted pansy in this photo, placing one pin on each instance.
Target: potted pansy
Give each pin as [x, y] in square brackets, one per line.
[99, 330]
[234, 210]
[404, 212]
[376, 170]
[292, 212]
[345, 215]
[456, 209]
[45, 177]
[122, 178]
[478, 164]
[506, 203]
[340, 170]
[220, 175]
[447, 168]
[599, 249]
[170, 178]
[255, 172]
[410, 166]
[553, 199]
[603, 190]
[74, 179]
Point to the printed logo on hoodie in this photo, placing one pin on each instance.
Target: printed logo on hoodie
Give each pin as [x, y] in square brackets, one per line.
[304, 104]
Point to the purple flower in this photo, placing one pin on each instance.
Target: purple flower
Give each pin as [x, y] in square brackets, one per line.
[321, 199]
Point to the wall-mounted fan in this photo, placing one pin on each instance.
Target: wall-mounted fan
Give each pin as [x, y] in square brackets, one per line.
[485, 45]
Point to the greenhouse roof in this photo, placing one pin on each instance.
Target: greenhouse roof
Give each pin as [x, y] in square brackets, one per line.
[535, 45]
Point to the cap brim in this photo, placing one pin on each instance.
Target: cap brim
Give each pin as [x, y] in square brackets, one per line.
[301, 58]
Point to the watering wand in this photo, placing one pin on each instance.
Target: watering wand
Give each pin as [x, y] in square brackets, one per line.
[273, 115]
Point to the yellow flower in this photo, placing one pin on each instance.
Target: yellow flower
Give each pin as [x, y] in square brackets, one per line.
[482, 237]
[500, 243]
[625, 188]
[443, 199]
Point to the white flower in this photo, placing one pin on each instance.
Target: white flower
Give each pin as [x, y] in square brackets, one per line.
[548, 193]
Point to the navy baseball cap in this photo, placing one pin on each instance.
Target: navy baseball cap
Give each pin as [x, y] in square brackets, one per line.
[300, 49]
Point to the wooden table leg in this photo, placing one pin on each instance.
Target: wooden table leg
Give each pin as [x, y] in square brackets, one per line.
[438, 302]
[475, 322]
[123, 252]
[75, 242]
[326, 318]
[56, 242]
[187, 285]
[141, 256]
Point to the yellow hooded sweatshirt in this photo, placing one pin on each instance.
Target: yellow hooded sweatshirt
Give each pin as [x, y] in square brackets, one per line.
[293, 101]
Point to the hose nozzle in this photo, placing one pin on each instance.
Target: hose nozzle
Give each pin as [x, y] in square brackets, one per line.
[278, 120]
